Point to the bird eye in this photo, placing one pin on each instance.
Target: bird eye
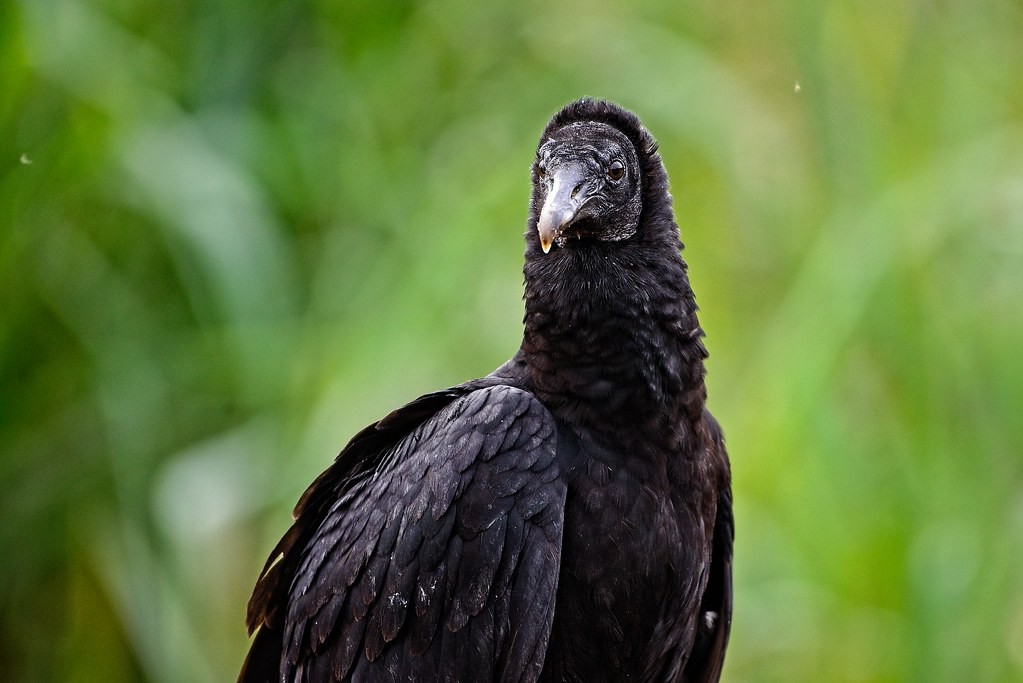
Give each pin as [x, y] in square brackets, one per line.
[541, 171]
[616, 171]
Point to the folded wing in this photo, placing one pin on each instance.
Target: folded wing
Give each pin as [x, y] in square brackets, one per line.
[432, 556]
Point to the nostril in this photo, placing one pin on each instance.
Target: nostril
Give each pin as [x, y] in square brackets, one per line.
[576, 190]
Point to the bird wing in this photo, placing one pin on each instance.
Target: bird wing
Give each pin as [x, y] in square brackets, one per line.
[437, 560]
[708, 653]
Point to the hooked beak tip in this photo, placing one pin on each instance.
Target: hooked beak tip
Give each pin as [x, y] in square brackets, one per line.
[546, 240]
[552, 221]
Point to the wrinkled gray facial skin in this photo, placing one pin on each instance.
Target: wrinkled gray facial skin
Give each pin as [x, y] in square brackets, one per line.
[590, 183]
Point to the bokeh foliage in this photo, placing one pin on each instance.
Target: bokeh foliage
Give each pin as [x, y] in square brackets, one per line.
[233, 233]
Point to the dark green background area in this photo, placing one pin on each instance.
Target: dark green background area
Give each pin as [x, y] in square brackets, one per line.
[234, 233]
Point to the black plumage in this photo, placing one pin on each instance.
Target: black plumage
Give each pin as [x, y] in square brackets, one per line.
[566, 518]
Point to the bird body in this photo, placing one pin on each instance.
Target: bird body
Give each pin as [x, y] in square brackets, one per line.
[565, 518]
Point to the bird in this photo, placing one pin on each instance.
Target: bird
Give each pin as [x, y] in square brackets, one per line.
[567, 517]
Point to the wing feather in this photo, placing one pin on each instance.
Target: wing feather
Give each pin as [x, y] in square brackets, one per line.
[708, 654]
[434, 557]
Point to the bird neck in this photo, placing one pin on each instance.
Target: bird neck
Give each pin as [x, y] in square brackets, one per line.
[611, 333]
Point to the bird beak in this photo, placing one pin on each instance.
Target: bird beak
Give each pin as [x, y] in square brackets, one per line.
[563, 202]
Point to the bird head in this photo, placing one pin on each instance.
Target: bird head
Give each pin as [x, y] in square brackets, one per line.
[592, 164]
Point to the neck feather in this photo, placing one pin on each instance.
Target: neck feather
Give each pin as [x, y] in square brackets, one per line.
[611, 331]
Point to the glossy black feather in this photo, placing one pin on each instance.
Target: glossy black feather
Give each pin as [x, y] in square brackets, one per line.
[566, 518]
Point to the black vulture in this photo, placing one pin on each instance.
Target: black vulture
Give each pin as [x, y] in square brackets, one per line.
[567, 517]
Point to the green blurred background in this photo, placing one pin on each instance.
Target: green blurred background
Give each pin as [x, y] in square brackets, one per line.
[233, 233]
